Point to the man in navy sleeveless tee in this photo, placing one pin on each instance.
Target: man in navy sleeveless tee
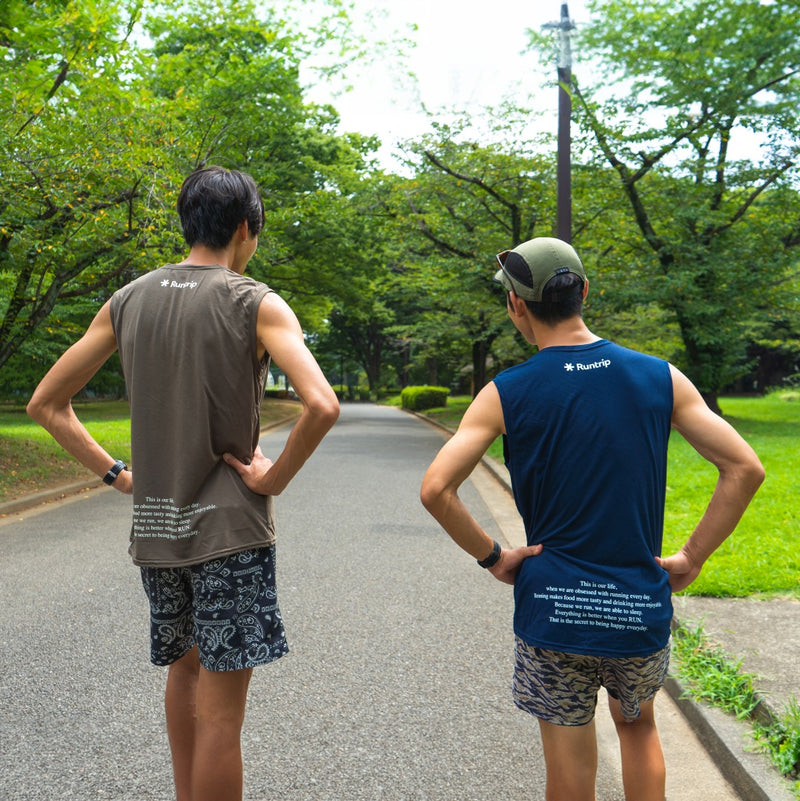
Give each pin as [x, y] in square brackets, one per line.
[585, 425]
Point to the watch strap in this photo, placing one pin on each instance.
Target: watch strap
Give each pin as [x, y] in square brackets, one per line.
[114, 471]
[492, 558]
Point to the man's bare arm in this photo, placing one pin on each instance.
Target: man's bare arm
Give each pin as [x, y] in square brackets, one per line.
[280, 334]
[740, 475]
[51, 403]
[481, 425]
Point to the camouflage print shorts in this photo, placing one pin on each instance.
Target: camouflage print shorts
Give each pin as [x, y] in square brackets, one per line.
[227, 607]
[561, 688]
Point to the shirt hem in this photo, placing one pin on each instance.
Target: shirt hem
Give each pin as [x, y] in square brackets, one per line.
[571, 648]
[200, 559]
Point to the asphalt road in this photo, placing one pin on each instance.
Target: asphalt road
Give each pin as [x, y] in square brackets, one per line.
[397, 684]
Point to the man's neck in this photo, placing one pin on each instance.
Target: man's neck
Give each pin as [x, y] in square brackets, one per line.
[203, 256]
[568, 332]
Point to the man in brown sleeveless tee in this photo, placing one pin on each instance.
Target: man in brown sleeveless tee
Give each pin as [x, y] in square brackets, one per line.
[195, 340]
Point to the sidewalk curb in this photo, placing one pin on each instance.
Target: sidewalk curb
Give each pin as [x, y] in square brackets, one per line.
[48, 496]
[725, 738]
[726, 741]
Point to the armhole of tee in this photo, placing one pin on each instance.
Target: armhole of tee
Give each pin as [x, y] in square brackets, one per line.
[112, 305]
[265, 359]
[671, 392]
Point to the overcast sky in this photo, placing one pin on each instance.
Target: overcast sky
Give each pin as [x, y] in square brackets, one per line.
[468, 55]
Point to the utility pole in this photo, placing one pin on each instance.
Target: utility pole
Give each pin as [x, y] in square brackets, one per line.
[564, 197]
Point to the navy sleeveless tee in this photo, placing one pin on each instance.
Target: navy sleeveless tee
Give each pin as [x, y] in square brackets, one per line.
[586, 446]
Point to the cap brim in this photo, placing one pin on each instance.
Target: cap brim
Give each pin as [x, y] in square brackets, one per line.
[501, 278]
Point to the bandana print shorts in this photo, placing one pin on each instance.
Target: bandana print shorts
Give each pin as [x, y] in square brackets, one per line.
[227, 607]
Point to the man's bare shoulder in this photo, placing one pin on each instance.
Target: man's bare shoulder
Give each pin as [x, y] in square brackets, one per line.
[275, 311]
[486, 410]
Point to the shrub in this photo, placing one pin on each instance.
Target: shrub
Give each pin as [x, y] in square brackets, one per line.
[351, 392]
[419, 398]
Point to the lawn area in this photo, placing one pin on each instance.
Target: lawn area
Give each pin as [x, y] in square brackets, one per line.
[31, 461]
[763, 554]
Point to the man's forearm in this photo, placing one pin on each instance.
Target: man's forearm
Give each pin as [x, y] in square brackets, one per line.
[451, 514]
[725, 509]
[66, 429]
[304, 438]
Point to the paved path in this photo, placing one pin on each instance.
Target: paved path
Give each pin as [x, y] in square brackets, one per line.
[397, 685]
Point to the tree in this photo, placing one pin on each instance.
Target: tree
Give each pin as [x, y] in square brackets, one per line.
[696, 112]
[75, 213]
[105, 124]
[370, 293]
[467, 202]
[234, 85]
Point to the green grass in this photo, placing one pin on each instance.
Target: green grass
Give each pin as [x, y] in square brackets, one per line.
[30, 460]
[762, 554]
[712, 676]
[762, 557]
[781, 742]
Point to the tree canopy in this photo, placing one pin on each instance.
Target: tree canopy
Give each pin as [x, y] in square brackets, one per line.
[106, 118]
[695, 109]
[685, 183]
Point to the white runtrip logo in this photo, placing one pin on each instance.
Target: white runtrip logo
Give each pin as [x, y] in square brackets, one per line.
[601, 364]
[179, 285]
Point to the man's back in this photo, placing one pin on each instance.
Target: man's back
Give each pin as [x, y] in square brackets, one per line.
[188, 346]
[587, 433]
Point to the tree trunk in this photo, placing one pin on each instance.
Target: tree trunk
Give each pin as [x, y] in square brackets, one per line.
[480, 350]
[433, 371]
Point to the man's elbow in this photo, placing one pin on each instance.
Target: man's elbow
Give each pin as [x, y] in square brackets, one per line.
[756, 473]
[36, 409]
[748, 474]
[325, 410]
[431, 493]
[329, 410]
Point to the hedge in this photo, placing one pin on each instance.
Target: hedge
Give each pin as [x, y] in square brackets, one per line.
[418, 398]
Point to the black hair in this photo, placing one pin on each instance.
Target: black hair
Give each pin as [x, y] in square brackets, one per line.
[213, 202]
[562, 298]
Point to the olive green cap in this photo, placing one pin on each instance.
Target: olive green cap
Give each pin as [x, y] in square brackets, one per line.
[528, 267]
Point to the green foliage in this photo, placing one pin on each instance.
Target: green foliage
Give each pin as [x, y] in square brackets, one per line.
[76, 211]
[711, 675]
[694, 110]
[109, 105]
[418, 399]
[690, 246]
[467, 201]
[351, 392]
[277, 394]
[781, 741]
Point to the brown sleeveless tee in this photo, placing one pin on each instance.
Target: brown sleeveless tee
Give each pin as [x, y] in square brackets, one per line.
[188, 345]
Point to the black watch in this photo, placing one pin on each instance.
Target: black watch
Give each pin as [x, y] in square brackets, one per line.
[113, 472]
[492, 558]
